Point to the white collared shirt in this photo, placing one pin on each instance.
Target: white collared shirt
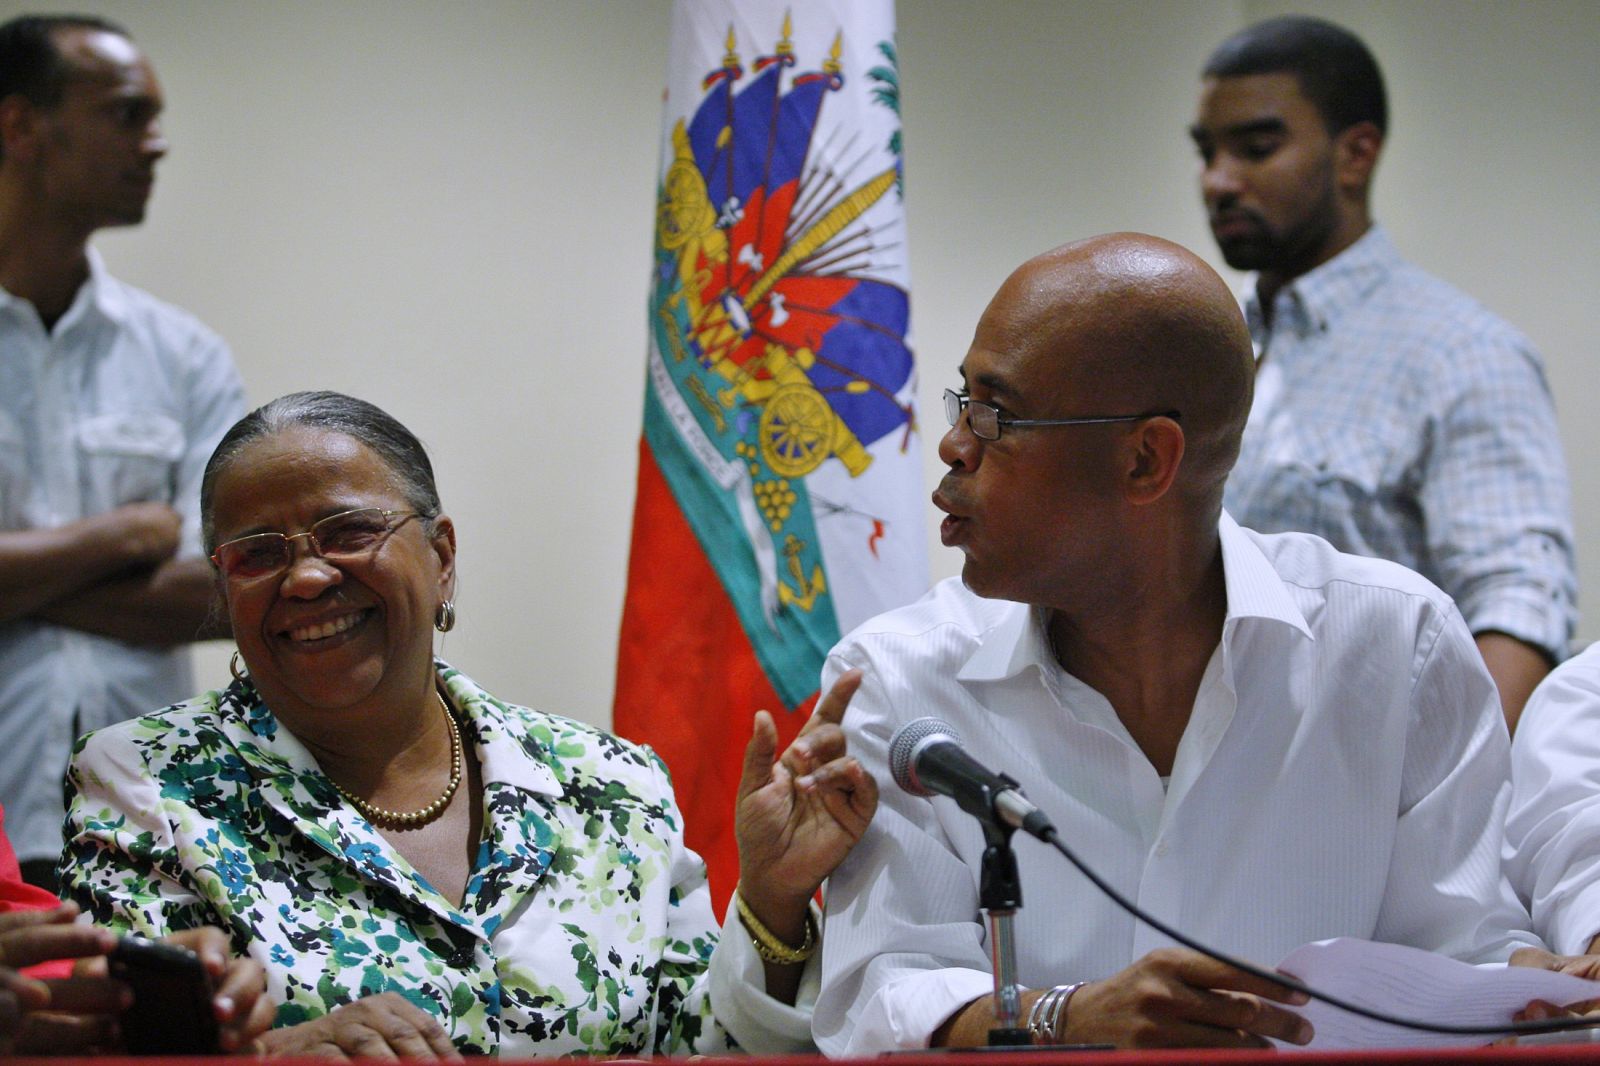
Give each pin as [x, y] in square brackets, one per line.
[1343, 773]
[1553, 828]
[122, 402]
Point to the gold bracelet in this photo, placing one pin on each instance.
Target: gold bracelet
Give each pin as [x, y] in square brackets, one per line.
[768, 947]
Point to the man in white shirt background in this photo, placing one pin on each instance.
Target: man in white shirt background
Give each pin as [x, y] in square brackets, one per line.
[110, 404]
[1261, 740]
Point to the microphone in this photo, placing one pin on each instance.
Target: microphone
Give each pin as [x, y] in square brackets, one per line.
[926, 758]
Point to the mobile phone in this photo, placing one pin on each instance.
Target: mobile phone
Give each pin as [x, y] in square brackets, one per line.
[171, 1012]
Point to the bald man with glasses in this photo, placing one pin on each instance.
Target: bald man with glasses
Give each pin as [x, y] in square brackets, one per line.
[1262, 740]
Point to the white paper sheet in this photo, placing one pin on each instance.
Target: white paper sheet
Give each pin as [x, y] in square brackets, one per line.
[1417, 985]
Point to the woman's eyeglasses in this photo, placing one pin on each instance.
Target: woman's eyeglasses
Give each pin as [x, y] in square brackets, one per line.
[343, 536]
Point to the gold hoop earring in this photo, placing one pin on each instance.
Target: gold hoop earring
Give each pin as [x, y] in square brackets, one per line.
[240, 675]
[444, 618]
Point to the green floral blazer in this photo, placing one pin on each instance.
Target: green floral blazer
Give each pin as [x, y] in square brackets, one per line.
[586, 926]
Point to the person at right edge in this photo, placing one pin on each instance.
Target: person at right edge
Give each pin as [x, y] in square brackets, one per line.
[1394, 416]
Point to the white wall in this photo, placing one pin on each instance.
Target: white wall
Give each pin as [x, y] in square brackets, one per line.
[447, 209]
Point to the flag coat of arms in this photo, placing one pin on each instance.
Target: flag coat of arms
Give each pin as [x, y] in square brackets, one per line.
[780, 496]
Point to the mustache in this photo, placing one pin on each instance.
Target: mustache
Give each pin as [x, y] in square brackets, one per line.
[1231, 212]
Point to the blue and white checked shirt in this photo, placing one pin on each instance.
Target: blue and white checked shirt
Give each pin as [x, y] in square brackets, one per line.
[1398, 418]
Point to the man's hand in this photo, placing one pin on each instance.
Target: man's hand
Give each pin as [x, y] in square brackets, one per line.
[797, 818]
[1585, 966]
[242, 1009]
[138, 534]
[41, 568]
[1175, 997]
[55, 1016]
[386, 1026]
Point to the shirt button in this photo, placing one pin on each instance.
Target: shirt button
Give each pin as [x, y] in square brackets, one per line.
[461, 958]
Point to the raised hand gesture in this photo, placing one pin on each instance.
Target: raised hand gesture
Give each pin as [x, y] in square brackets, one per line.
[798, 816]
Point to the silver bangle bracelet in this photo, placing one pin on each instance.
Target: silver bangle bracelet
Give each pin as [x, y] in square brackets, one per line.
[1058, 1024]
[1043, 1008]
[1048, 1014]
[1034, 1012]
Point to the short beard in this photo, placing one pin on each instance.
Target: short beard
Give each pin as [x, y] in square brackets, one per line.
[1251, 253]
[1293, 252]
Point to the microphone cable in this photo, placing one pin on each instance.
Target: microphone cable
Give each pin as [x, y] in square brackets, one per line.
[967, 780]
[1551, 1025]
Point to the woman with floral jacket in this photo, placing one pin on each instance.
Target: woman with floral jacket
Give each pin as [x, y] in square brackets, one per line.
[422, 868]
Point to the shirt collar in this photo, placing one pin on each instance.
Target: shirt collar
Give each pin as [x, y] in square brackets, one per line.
[1016, 642]
[505, 749]
[1312, 302]
[99, 291]
[1253, 588]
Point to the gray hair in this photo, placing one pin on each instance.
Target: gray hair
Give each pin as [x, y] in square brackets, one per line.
[374, 427]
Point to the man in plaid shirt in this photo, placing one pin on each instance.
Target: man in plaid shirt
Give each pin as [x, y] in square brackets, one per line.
[1393, 415]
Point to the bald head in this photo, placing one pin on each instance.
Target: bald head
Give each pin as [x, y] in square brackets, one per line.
[1138, 324]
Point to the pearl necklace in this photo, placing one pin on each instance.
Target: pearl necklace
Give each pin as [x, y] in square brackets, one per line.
[387, 819]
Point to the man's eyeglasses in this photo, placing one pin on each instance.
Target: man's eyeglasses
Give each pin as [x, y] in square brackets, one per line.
[985, 421]
[343, 536]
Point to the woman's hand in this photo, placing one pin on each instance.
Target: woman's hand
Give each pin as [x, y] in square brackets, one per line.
[797, 818]
[240, 1003]
[57, 1016]
[386, 1026]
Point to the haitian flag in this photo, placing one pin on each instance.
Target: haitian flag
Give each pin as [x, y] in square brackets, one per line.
[780, 496]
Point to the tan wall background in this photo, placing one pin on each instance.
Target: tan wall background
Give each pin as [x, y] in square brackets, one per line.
[447, 209]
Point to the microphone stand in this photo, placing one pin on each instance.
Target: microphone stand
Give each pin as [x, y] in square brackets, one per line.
[992, 802]
[1000, 896]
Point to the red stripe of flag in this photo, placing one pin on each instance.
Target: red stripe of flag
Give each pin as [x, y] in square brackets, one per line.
[687, 679]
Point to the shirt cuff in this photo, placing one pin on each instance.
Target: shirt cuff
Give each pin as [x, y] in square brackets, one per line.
[1536, 618]
[761, 1025]
[1573, 922]
[905, 1013]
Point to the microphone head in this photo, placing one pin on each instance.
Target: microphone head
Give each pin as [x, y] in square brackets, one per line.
[903, 750]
